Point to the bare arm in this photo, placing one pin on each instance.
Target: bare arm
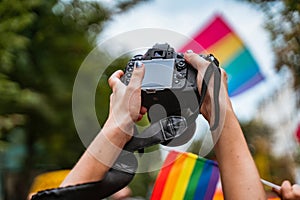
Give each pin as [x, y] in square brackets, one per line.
[125, 109]
[239, 175]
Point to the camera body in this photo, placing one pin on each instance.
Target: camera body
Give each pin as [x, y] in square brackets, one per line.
[169, 86]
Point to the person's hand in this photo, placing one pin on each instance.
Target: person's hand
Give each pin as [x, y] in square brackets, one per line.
[201, 65]
[289, 191]
[125, 101]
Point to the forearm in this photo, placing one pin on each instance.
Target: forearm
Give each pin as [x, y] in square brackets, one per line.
[125, 110]
[99, 156]
[239, 175]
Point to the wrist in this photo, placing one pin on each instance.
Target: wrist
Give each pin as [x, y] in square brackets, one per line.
[107, 145]
[122, 130]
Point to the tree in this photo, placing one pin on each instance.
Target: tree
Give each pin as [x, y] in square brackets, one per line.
[283, 23]
[42, 44]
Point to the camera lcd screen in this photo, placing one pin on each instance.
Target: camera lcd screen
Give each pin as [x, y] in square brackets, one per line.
[158, 73]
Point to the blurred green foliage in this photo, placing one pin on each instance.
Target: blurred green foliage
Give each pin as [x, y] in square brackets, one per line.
[42, 45]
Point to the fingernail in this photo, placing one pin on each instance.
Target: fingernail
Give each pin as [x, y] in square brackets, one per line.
[138, 64]
[189, 51]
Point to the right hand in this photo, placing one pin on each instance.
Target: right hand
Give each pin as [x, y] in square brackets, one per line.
[200, 64]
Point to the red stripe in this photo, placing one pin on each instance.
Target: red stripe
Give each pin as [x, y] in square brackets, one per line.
[212, 32]
[163, 175]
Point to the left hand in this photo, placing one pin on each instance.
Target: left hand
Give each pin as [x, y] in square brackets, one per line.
[125, 101]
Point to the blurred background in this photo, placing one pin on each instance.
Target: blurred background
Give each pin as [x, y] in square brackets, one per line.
[44, 42]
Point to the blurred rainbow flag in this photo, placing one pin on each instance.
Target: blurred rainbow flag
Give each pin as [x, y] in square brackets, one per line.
[186, 176]
[220, 40]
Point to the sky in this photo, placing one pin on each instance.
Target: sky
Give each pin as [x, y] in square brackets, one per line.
[188, 17]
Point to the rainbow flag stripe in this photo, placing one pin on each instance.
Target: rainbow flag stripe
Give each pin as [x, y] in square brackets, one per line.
[186, 176]
[220, 40]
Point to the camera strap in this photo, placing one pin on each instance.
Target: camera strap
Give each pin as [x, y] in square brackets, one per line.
[159, 132]
[116, 178]
[212, 69]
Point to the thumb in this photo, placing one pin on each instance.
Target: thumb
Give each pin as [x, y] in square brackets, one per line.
[137, 75]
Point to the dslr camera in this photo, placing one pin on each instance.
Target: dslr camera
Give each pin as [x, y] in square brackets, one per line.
[169, 86]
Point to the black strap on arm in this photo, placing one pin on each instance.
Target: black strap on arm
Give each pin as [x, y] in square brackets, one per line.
[117, 178]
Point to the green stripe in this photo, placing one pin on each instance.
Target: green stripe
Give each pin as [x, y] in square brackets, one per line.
[194, 179]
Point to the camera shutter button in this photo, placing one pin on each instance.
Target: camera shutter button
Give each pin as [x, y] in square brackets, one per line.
[180, 55]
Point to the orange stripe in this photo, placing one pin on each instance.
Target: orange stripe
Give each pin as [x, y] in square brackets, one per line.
[163, 175]
[226, 48]
[173, 178]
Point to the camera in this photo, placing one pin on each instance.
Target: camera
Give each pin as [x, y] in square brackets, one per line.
[169, 86]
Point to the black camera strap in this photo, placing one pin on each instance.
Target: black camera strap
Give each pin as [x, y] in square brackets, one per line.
[117, 178]
[212, 69]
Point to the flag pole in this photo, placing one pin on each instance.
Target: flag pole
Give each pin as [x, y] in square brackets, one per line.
[272, 185]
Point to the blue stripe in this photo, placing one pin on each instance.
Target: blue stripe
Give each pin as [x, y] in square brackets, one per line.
[242, 70]
[203, 182]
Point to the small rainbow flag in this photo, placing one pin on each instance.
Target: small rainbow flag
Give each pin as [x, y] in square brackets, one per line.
[220, 40]
[186, 176]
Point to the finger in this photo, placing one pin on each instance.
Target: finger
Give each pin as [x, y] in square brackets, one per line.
[286, 190]
[296, 190]
[140, 117]
[143, 110]
[195, 60]
[115, 78]
[137, 75]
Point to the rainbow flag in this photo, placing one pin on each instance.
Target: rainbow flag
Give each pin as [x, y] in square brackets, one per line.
[220, 40]
[186, 176]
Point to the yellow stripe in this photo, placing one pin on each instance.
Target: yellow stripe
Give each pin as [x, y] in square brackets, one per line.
[173, 177]
[226, 48]
[184, 178]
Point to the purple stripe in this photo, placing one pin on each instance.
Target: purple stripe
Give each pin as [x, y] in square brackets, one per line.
[207, 182]
[250, 83]
[214, 178]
